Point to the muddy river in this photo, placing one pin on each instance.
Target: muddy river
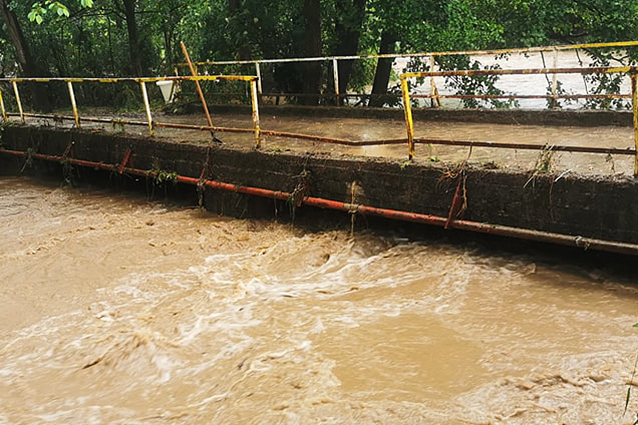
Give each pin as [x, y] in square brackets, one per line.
[116, 309]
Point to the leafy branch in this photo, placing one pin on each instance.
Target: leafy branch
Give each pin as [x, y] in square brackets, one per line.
[39, 10]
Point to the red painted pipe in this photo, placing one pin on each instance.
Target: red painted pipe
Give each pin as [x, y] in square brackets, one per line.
[492, 229]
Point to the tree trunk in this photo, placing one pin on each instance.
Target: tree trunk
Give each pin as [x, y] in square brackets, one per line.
[243, 49]
[384, 70]
[133, 38]
[23, 54]
[312, 47]
[348, 32]
[168, 44]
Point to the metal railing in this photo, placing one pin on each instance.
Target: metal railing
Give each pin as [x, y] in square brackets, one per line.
[411, 140]
[334, 61]
[149, 116]
[632, 71]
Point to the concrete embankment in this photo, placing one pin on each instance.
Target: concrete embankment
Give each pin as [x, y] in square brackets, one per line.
[550, 117]
[584, 211]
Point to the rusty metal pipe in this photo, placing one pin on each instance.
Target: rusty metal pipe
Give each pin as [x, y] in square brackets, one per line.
[492, 229]
[89, 119]
[361, 143]
[201, 128]
[204, 128]
[501, 145]
[265, 132]
[307, 137]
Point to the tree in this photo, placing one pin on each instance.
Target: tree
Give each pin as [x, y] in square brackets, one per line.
[30, 68]
[133, 39]
[349, 20]
[39, 10]
[85, 35]
[312, 48]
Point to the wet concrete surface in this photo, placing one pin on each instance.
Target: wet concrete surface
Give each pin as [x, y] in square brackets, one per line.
[369, 129]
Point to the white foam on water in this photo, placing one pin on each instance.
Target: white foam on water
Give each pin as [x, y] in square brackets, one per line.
[242, 331]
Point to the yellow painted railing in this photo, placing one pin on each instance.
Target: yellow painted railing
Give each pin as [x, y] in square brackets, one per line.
[407, 98]
[334, 61]
[142, 82]
[631, 71]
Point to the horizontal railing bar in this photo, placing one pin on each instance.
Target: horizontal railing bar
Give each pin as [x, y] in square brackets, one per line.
[89, 119]
[196, 127]
[523, 146]
[360, 143]
[501, 145]
[424, 54]
[525, 71]
[133, 79]
[442, 96]
[526, 96]
[204, 127]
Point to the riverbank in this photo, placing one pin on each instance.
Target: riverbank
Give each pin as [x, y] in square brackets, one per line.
[588, 212]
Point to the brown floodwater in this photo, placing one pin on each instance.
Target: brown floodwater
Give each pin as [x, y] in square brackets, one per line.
[116, 309]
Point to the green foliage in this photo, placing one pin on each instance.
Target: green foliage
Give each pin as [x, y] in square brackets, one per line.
[545, 160]
[89, 38]
[609, 83]
[39, 10]
[480, 84]
[157, 177]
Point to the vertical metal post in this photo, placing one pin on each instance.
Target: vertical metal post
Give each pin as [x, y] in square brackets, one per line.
[255, 101]
[174, 86]
[17, 93]
[335, 74]
[634, 99]
[4, 111]
[147, 105]
[555, 81]
[258, 69]
[73, 104]
[407, 108]
[435, 101]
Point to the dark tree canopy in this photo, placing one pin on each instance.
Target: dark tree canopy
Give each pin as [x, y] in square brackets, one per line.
[134, 37]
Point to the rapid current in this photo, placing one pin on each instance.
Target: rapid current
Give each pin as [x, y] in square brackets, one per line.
[116, 309]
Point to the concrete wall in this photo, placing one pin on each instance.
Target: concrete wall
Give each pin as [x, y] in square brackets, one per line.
[596, 207]
[582, 118]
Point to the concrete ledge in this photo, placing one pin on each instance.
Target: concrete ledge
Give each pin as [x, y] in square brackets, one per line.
[599, 207]
[582, 118]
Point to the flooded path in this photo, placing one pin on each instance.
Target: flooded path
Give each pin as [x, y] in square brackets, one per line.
[362, 129]
[119, 310]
